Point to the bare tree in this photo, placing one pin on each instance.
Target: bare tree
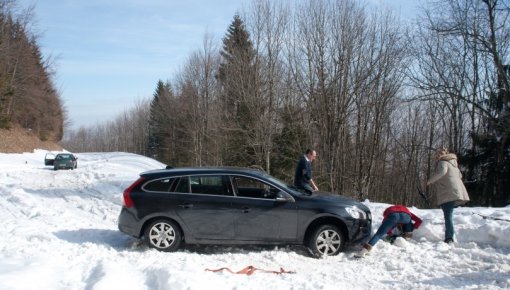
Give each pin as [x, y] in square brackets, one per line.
[347, 66]
[461, 69]
[268, 24]
[199, 89]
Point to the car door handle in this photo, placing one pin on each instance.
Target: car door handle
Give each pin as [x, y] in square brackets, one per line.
[186, 205]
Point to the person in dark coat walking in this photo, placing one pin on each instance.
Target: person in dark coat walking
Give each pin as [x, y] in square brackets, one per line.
[303, 175]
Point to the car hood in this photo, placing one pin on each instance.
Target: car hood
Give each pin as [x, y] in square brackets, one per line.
[335, 198]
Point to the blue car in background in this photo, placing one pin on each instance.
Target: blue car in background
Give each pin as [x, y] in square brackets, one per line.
[61, 161]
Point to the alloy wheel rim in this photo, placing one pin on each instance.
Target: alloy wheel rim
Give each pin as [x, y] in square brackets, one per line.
[328, 242]
[162, 235]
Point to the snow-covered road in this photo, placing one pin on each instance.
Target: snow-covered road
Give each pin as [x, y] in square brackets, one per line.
[60, 232]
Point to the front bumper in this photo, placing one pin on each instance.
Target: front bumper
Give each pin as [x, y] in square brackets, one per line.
[360, 230]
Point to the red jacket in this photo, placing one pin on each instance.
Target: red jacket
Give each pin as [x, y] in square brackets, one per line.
[400, 208]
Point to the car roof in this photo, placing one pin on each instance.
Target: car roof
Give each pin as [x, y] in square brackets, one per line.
[203, 170]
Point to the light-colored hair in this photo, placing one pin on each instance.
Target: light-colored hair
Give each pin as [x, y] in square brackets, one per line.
[442, 151]
[443, 154]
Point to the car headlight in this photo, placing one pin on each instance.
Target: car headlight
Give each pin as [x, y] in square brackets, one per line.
[356, 213]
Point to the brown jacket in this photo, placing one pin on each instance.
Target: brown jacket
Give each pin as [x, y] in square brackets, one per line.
[447, 181]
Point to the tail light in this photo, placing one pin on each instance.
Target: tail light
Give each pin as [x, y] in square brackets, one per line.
[127, 200]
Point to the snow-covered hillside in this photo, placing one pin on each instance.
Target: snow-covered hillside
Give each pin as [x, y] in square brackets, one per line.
[60, 232]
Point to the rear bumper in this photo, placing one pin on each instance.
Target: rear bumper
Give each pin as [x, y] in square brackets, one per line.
[64, 166]
[128, 224]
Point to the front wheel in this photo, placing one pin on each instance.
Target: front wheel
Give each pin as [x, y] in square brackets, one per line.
[163, 235]
[326, 240]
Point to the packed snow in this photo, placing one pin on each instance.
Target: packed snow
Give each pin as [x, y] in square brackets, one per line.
[60, 232]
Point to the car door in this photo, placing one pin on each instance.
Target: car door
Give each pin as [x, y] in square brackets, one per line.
[264, 213]
[49, 158]
[205, 207]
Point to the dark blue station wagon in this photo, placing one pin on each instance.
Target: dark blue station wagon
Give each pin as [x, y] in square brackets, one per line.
[241, 206]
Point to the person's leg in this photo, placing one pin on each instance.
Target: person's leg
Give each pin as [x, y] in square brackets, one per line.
[448, 220]
[407, 229]
[386, 225]
[308, 188]
[305, 189]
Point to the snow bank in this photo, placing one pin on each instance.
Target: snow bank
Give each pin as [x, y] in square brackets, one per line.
[60, 232]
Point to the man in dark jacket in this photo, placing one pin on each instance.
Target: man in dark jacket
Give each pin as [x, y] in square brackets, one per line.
[303, 176]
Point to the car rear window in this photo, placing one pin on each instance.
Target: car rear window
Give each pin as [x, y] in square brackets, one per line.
[63, 156]
[163, 184]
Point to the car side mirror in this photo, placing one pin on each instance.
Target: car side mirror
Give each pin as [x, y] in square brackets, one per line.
[282, 197]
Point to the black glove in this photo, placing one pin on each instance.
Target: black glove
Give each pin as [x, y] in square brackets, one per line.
[391, 238]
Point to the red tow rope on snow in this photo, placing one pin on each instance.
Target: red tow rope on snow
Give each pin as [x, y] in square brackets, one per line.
[250, 270]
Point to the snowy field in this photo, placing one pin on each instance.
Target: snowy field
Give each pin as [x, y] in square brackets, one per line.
[60, 232]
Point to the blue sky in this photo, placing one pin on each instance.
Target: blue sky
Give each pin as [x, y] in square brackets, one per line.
[110, 53]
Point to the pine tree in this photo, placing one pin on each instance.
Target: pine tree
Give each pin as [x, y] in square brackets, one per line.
[492, 156]
[237, 77]
[28, 97]
[289, 144]
[158, 123]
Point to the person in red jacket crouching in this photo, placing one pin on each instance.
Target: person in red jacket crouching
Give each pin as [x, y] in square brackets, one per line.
[395, 215]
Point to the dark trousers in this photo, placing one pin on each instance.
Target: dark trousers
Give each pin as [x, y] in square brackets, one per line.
[447, 208]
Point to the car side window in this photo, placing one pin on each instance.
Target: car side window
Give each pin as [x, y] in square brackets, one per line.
[159, 185]
[182, 185]
[209, 184]
[250, 187]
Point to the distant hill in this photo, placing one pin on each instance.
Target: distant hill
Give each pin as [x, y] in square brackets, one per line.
[19, 140]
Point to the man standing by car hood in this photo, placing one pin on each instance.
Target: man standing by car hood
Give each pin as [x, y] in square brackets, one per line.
[303, 175]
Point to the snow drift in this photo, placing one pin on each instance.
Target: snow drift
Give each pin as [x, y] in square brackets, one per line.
[60, 232]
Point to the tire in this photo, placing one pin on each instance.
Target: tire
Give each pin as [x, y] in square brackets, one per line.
[163, 235]
[326, 240]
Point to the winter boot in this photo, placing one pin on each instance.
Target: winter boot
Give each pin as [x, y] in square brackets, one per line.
[407, 235]
[364, 251]
[449, 241]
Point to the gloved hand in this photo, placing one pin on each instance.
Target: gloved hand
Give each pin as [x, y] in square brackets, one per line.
[391, 238]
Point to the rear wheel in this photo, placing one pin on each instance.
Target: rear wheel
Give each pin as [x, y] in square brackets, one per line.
[163, 235]
[326, 240]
